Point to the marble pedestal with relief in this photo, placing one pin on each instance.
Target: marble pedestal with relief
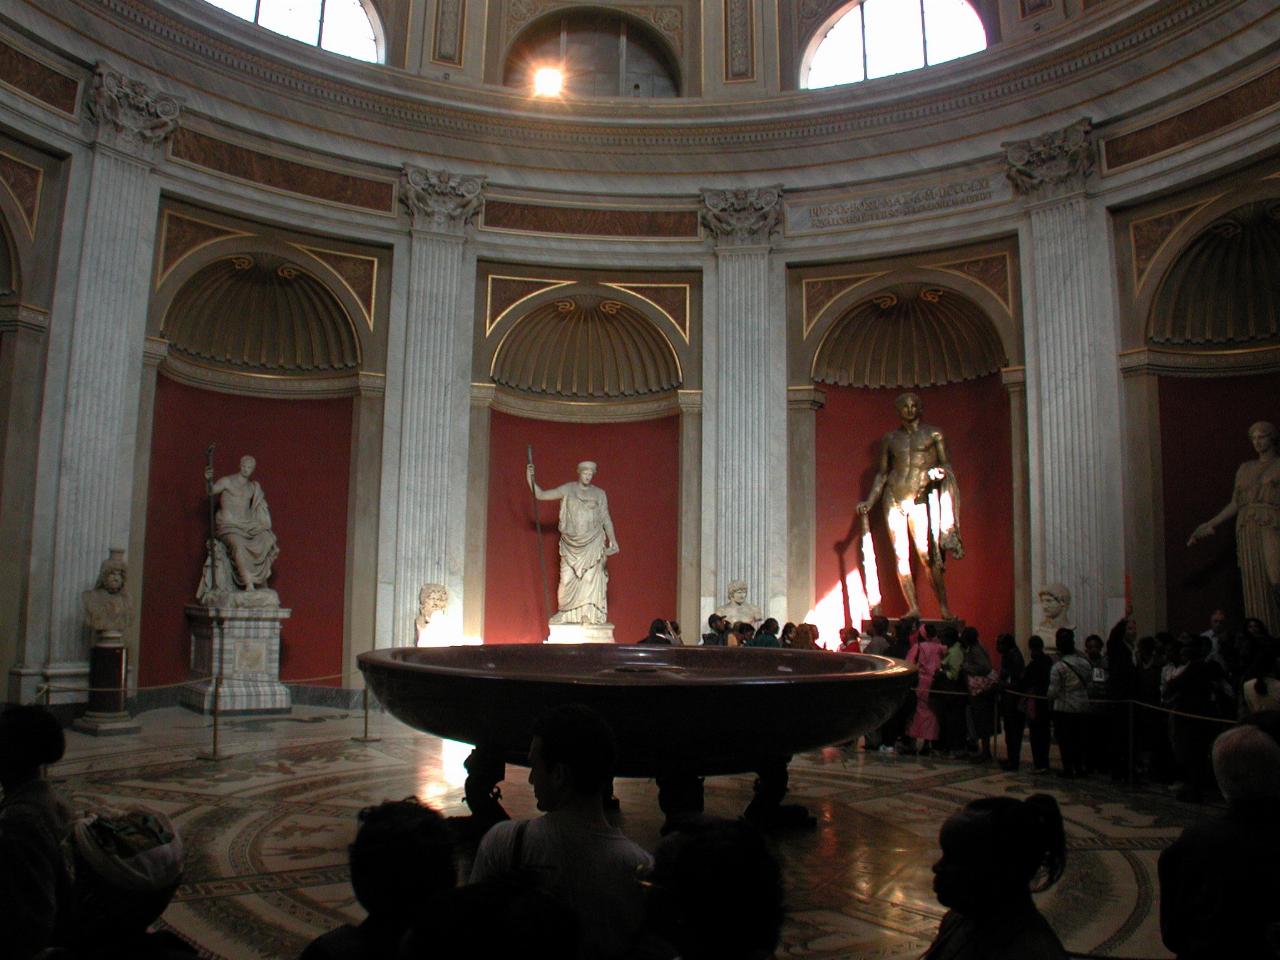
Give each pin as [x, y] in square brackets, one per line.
[243, 645]
[580, 633]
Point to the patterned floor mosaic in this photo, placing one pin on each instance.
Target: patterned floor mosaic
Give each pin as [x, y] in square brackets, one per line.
[267, 828]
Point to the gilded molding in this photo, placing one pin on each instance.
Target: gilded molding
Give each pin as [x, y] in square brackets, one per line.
[1053, 163]
[583, 411]
[440, 201]
[739, 218]
[129, 115]
[1200, 363]
[23, 316]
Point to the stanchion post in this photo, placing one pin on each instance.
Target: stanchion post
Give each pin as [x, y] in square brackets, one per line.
[48, 695]
[216, 753]
[365, 738]
[1132, 743]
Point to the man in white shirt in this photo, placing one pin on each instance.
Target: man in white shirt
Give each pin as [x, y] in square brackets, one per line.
[573, 851]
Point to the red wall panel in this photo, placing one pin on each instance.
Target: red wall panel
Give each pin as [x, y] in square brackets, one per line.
[639, 470]
[1204, 424]
[974, 419]
[303, 449]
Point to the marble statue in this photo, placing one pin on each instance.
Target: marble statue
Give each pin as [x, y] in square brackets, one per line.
[432, 598]
[1255, 504]
[921, 501]
[244, 547]
[737, 610]
[1055, 607]
[106, 606]
[586, 538]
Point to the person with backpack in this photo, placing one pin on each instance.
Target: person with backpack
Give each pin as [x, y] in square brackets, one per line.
[1069, 693]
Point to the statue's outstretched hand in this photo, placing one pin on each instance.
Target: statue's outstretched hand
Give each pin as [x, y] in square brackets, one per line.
[1202, 532]
[864, 507]
[610, 550]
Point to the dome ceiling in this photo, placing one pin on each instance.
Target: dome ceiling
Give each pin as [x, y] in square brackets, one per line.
[909, 336]
[586, 347]
[1225, 287]
[261, 312]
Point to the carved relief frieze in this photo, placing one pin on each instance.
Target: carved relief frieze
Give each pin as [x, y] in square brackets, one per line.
[441, 201]
[129, 115]
[739, 40]
[742, 217]
[667, 19]
[450, 18]
[1058, 162]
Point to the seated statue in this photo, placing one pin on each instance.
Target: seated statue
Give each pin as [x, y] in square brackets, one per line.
[244, 546]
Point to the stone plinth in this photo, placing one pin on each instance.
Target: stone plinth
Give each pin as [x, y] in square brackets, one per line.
[580, 633]
[108, 671]
[244, 645]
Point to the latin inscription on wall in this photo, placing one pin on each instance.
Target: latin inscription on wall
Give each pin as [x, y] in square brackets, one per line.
[853, 211]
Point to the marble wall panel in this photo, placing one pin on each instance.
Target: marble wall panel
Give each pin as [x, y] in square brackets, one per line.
[449, 31]
[38, 80]
[182, 236]
[358, 273]
[24, 182]
[1207, 118]
[278, 173]
[589, 222]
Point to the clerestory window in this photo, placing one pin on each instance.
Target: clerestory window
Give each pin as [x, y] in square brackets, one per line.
[877, 38]
[348, 27]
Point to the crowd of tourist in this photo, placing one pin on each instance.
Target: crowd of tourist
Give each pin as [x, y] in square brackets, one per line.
[569, 883]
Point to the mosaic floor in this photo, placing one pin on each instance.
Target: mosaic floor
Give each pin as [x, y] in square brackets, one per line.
[267, 829]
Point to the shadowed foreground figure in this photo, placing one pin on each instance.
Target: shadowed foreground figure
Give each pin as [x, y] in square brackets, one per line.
[1218, 879]
[996, 852]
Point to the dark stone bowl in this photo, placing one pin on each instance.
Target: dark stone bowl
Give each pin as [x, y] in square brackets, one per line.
[691, 710]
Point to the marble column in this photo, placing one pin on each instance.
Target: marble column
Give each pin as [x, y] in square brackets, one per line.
[803, 404]
[130, 124]
[748, 420]
[435, 389]
[690, 530]
[1073, 379]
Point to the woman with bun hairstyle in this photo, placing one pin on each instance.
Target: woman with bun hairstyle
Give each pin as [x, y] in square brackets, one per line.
[996, 852]
[35, 880]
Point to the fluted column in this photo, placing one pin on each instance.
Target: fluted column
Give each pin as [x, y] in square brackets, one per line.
[130, 122]
[435, 390]
[746, 467]
[1073, 380]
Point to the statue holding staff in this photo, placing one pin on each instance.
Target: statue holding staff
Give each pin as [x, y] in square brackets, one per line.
[1255, 505]
[244, 546]
[586, 538]
[921, 501]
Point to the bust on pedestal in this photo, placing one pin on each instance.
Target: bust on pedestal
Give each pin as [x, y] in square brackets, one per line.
[106, 611]
[235, 621]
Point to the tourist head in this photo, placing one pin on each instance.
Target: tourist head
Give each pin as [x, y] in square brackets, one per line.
[1263, 436]
[1093, 646]
[572, 754]
[30, 738]
[997, 849]
[1218, 621]
[949, 636]
[880, 626]
[1005, 643]
[1035, 644]
[1246, 763]
[968, 637]
[658, 627]
[1065, 641]
[788, 632]
[769, 626]
[127, 867]
[715, 891]
[586, 472]
[402, 853]
[1255, 627]
[1192, 647]
[744, 631]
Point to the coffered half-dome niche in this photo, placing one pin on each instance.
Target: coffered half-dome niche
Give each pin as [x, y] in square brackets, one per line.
[260, 312]
[1224, 288]
[586, 346]
[909, 335]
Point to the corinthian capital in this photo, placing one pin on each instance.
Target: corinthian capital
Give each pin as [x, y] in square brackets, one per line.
[129, 115]
[742, 217]
[439, 200]
[1059, 161]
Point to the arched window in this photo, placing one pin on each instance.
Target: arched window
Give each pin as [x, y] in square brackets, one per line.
[599, 54]
[348, 27]
[876, 38]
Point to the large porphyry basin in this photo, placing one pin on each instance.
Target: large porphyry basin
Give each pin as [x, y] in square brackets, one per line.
[696, 710]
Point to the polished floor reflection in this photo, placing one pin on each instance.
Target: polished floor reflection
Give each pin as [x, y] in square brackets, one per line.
[267, 829]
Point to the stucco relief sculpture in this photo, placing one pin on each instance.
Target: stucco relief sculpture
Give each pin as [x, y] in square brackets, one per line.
[1061, 159]
[106, 606]
[586, 539]
[737, 609]
[1255, 505]
[1055, 612]
[921, 501]
[129, 113]
[742, 217]
[243, 547]
[439, 200]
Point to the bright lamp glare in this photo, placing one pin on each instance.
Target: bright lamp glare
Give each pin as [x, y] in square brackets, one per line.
[547, 82]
